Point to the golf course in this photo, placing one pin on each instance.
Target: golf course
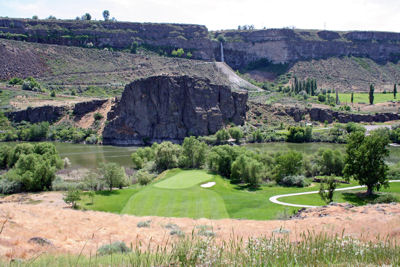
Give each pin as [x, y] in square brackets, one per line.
[178, 193]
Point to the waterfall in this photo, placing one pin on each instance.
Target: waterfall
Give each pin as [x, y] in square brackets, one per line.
[222, 52]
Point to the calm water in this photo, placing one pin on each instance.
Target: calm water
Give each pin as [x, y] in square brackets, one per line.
[91, 156]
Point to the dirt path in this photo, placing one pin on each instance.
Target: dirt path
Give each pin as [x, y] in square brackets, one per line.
[46, 215]
[274, 199]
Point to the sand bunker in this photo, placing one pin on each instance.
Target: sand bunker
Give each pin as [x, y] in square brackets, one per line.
[208, 185]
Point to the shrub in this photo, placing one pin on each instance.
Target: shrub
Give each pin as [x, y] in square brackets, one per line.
[143, 177]
[144, 224]
[321, 98]
[116, 247]
[53, 93]
[386, 198]
[16, 81]
[177, 232]
[222, 136]
[294, 180]
[299, 134]
[10, 186]
[72, 196]
[97, 116]
[91, 139]
[327, 188]
[330, 162]
[236, 133]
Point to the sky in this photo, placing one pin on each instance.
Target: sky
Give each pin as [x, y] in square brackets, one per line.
[378, 15]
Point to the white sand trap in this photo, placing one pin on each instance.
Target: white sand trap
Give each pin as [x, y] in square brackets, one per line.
[207, 185]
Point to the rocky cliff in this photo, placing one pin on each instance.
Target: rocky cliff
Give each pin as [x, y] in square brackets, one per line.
[171, 108]
[241, 48]
[287, 46]
[108, 34]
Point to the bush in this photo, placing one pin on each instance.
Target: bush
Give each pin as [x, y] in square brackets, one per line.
[299, 134]
[16, 81]
[10, 186]
[321, 98]
[386, 198]
[222, 136]
[294, 180]
[144, 224]
[116, 247]
[53, 94]
[97, 116]
[72, 196]
[143, 177]
[236, 133]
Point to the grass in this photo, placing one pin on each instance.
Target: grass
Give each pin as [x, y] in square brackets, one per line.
[309, 250]
[224, 200]
[185, 180]
[364, 97]
[354, 197]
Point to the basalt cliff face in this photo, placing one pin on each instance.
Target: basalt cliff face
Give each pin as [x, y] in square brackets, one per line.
[241, 47]
[171, 108]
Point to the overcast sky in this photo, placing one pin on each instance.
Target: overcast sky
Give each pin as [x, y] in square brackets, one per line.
[379, 15]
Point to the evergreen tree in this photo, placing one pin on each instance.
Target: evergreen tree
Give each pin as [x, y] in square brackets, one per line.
[395, 91]
[352, 97]
[337, 97]
[371, 94]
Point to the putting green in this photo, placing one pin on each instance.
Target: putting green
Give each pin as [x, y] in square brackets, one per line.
[184, 179]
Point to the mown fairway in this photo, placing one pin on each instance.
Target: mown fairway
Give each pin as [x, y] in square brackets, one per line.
[177, 193]
[364, 98]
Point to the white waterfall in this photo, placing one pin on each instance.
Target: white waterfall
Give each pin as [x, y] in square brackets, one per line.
[222, 52]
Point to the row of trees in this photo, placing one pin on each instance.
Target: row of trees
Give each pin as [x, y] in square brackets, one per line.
[86, 16]
[308, 85]
[364, 161]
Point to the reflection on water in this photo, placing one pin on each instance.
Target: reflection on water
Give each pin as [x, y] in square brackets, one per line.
[91, 156]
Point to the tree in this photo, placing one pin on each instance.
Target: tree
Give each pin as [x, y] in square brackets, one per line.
[106, 15]
[352, 97]
[72, 196]
[193, 153]
[246, 169]
[113, 175]
[86, 16]
[220, 159]
[395, 91]
[222, 136]
[289, 163]
[167, 156]
[35, 17]
[371, 94]
[337, 97]
[327, 188]
[330, 162]
[91, 195]
[365, 159]
[236, 133]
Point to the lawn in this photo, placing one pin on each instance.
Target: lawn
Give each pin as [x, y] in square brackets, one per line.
[177, 193]
[350, 196]
[364, 97]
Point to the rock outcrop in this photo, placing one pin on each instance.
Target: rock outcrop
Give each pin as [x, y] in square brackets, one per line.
[322, 115]
[170, 108]
[38, 114]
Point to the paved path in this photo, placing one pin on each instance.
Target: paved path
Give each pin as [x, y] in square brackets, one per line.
[275, 200]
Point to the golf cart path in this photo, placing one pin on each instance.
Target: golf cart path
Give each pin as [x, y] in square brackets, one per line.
[274, 199]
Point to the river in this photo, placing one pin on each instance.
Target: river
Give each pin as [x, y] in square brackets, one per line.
[91, 156]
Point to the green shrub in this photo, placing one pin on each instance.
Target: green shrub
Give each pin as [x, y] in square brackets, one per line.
[10, 186]
[143, 177]
[72, 196]
[294, 180]
[288, 164]
[321, 98]
[53, 93]
[116, 247]
[16, 81]
[97, 116]
[386, 198]
[143, 224]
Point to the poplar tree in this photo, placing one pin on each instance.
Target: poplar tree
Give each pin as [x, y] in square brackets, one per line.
[371, 94]
[395, 91]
